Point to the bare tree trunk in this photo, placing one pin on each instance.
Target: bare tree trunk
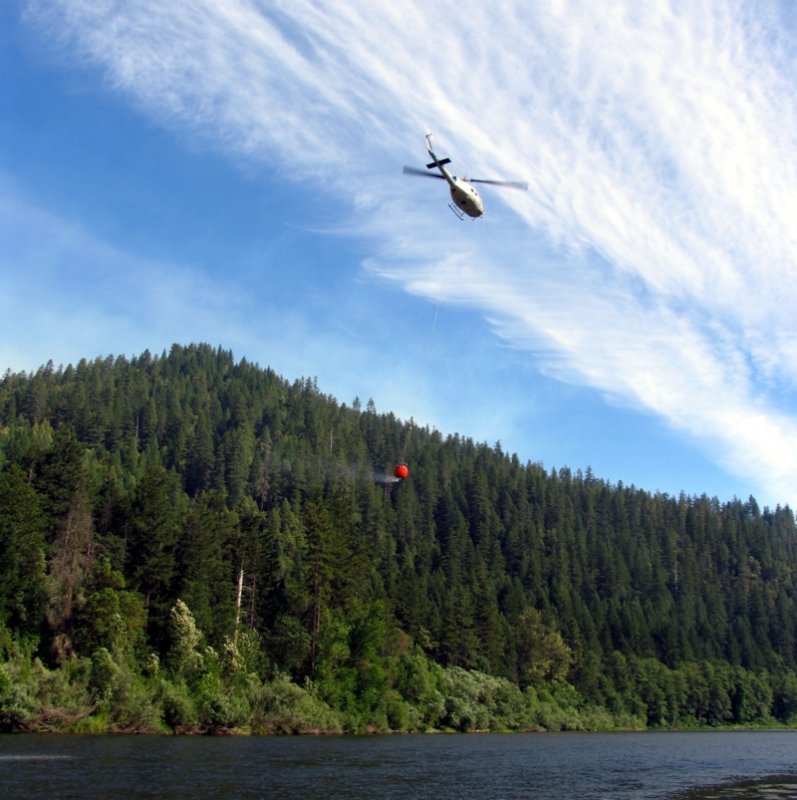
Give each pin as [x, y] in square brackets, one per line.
[238, 607]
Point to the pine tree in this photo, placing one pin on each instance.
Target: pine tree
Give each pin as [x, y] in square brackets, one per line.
[22, 553]
[150, 558]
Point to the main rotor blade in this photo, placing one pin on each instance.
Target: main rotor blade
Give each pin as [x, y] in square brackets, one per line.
[522, 185]
[414, 171]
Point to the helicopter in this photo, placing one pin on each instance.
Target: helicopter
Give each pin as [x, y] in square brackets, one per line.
[466, 199]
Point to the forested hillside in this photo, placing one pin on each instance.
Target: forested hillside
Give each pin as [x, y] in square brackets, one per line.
[188, 542]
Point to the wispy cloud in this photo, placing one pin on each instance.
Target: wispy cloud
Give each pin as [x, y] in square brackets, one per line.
[654, 257]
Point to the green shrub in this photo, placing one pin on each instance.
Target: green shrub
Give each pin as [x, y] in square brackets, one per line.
[16, 705]
[178, 706]
[121, 695]
[284, 707]
[218, 706]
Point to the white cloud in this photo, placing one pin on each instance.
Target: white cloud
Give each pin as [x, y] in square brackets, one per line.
[655, 256]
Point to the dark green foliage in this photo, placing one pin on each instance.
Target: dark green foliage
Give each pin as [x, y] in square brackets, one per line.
[482, 592]
[206, 563]
[151, 543]
[110, 617]
[22, 553]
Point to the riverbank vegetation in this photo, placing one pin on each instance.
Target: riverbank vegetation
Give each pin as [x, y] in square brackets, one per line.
[193, 544]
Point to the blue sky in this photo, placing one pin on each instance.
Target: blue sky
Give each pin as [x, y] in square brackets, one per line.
[230, 172]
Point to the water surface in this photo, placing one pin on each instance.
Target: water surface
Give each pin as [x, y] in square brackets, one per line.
[690, 766]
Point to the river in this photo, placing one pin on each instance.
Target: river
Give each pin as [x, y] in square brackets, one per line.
[688, 765]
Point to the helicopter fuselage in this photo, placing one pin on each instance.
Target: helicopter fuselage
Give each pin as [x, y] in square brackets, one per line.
[465, 196]
[463, 193]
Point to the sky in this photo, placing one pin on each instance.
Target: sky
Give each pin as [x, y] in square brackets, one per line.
[230, 172]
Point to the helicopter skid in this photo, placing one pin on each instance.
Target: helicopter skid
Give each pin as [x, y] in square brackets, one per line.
[458, 212]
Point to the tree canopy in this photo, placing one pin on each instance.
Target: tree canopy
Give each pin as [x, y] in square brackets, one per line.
[171, 521]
